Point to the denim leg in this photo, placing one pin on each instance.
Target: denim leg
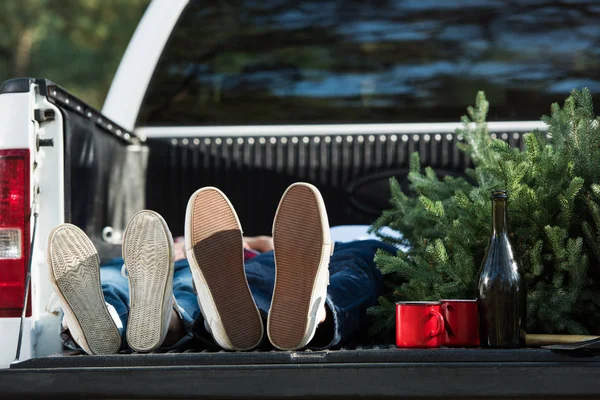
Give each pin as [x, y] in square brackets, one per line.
[115, 288]
[354, 284]
[185, 295]
[260, 273]
[116, 295]
[189, 309]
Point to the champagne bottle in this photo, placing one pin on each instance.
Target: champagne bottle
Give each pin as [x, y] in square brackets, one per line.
[501, 288]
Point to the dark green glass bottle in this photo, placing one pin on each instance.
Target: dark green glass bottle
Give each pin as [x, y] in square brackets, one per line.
[501, 288]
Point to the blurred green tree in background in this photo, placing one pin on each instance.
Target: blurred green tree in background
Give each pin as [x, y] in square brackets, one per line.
[76, 43]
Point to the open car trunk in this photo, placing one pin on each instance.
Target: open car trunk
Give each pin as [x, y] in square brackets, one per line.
[111, 173]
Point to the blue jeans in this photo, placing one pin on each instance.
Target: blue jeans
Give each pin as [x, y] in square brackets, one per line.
[354, 285]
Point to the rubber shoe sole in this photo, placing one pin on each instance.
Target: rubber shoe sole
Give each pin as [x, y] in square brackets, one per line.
[302, 248]
[148, 254]
[215, 251]
[75, 275]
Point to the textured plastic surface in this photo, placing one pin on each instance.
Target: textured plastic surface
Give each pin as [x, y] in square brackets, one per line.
[352, 172]
[366, 356]
[362, 373]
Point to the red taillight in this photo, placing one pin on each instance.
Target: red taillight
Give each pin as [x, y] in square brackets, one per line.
[14, 231]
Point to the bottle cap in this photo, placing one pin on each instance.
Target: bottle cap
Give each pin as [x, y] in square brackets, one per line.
[499, 194]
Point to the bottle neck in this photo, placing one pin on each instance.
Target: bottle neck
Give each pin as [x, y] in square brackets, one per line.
[499, 212]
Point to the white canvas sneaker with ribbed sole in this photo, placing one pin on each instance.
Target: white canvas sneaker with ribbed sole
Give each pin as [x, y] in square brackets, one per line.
[302, 247]
[75, 275]
[149, 256]
[215, 251]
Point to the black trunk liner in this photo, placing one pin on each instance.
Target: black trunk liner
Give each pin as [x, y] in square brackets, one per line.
[384, 372]
[374, 355]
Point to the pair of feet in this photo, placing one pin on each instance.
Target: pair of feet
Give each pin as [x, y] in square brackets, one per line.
[214, 249]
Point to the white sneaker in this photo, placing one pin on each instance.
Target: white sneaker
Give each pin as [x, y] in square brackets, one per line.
[75, 275]
[302, 250]
[215, 251]
[149, 255]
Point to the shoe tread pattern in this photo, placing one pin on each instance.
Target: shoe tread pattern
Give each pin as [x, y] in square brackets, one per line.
[218, 252]
[298, 242]
[76, 270]
[147, 259]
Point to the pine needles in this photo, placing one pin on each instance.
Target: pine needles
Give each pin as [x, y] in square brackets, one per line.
[554, 221]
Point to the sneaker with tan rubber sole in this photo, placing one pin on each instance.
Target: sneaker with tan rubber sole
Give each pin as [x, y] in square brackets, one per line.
[215, 251]
[302, 247]
[75, 275]
[149, 260]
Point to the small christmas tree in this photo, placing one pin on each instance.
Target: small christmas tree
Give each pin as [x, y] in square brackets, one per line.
[554, 221]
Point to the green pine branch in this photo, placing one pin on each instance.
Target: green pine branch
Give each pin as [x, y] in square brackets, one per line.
[554, 220]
